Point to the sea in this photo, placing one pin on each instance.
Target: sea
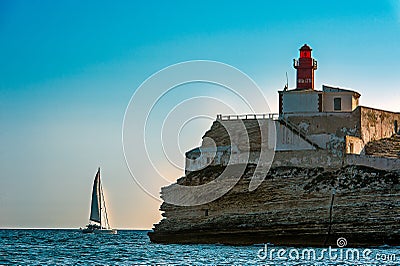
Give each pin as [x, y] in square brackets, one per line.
[133, 247]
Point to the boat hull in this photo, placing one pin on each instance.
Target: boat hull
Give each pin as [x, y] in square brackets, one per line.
[99, 231]
[106, 231]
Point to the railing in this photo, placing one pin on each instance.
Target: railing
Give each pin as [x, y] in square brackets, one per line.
[299, 131]
[296, 63]
[294, 127]
[315, 64]
[248, 116]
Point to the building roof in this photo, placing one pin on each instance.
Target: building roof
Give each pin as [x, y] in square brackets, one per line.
[326, 88]
[300, 90]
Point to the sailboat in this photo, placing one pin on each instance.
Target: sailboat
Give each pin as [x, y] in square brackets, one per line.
[98, 212]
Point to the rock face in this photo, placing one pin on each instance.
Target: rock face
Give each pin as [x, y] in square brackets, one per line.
[293, 206]
[308, 197]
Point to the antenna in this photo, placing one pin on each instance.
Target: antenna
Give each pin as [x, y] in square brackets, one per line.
[287, 83]
[287, 80]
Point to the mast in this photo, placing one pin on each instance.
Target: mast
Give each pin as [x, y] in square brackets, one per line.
[100, 196]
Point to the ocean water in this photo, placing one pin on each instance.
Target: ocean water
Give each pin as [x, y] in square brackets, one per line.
[70, 247]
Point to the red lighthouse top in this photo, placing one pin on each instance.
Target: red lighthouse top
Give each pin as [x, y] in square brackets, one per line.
[305, 51]
[305, 66]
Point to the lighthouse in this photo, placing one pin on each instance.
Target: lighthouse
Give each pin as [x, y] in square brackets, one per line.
[306, 99]
[305, 67]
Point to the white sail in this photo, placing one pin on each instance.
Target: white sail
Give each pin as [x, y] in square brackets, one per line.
[95, 209]
[98, 211]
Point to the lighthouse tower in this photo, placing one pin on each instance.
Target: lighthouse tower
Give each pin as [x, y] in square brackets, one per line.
[305, 99]
[305, 67]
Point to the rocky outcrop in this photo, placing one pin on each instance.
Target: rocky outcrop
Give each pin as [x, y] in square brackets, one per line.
[308, 197]
[293, 206]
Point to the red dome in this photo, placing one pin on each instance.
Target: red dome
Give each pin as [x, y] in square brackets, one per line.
[305, 47]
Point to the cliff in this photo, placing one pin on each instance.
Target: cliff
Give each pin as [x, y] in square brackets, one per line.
[293, 206]
[309, 197]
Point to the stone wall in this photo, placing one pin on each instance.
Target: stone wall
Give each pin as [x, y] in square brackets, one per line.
[309, 159]
[336, 133]
[377, 124]
[339, 124]
[291, 149]
[329, 130]
[382, 163]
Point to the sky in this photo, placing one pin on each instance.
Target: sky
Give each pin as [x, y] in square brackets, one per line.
[69, 69]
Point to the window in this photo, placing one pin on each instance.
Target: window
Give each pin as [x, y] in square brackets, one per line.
[337, 104]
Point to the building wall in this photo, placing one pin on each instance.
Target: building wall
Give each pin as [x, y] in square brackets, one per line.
[287, 140]
[328, 130]
[336, 133]
[364, 122]
[354, 145]
[312, 101]
[377, 124]
[322, 140]
[355, 102]
[340, 124]
[300, 101]
[348, 101]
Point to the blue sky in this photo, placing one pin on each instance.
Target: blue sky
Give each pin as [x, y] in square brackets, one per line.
[68, 70]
